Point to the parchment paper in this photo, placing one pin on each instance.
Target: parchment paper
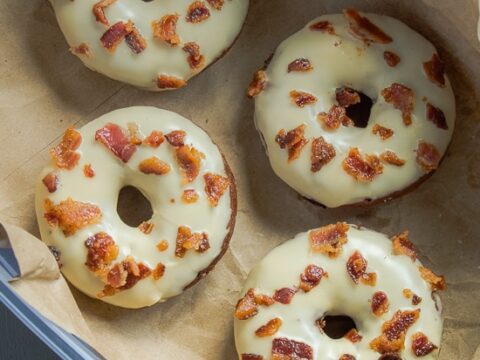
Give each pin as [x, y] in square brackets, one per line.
[44, 89]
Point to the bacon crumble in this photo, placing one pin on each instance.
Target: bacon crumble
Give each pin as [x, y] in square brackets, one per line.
[88, 171]
[427, 157]
[379, 303]
[197, 12]
[357, 269]
[158, 272]
[216, 4]
[364, 29]
[99, 10]
[176, 137]
[51, 182]
[286, 349]
[195, 59]
[353, 336]
[258, 83]
[270, 328]
[360, 169]
[347, 357]
[82, 49]
[421, 345]
[436, 116]
[251, 357]
[311, 277]
[71, 215]
[323, 26]
[246, 307]
[293, 140]
[383, 132]
[187, 240]
[284, 295]
[189, 159]
[410, 295]
[123, 276]
[336, 116]
[435, 70]
[154, 166]
[302, 98]
[437, 282]
[402, 98]
[102, 251]
[115, 139]
[215, 187]
[403, 246]
[135, 41]
[190, 196]
[155, 139]
[166, 29]
[265, 300]
[322, 154]
[64, 154]
[115, 34]
[146, 227]
[300, 65]
[391, 58]
[329, 239]
[162, 245]
[391, 158]
[170, 82]
[347, 96]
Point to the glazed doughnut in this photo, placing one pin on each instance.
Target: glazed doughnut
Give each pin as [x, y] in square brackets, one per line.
[156, 45]
[335, 270]
[319, 78]
[178, 169]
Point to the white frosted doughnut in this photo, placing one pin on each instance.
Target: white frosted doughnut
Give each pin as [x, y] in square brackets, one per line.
[180, 171]
[303, 99]
[353, 272]
[156, 45]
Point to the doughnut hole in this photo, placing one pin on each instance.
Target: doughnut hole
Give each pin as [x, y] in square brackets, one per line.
[360, 112]
[133, 207]
[336, 326]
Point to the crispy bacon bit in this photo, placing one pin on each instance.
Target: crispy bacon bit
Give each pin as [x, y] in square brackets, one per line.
[246, 306]
[347, 357]
[284, 295]
[392, 338]
[403, 246]
[391, 58]
[383, 132]
[162, 245]
[302, 98]
[311, 277]
[416, 299]
[135, 41]
[428, 156]
[421, 346]
[294, 141]
[365, 29]
[360, 169]
[264, 300]
[195, 59]
[56, 254]
[300, 64]
[436, 116]
[336, 115]
[407, 293]
[197, 12]
[437, 282]
[170, 82]
[154, 165]
[51, 182]
[166, 29]
[99, 10]
[64, 154]
[251, 357]
[402, 98]
[216, 4]
[102, 251]
[215, 187]
[190, 196]
[124, 276]
[357, 269]
[379, 303]
[158, 272]
[353, 336]
[346, 96]
[323, 26]
[187, 240]
[176, 137]
[136, 137]
[146, 227]
[322, 154]
[391, 158]
[155, 139]
[329, 239]
[390, 357]
[258, 83]
[270, 328]
[82, 49]
[88, 171]
[71, 215]
[286, 349]
[435, 70]
[189, 159]
[115, 139]
[115, 34]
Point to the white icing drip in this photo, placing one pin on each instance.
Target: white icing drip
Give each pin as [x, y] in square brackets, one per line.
[103, 189]
[337, 295]
[343, 60]
[79, 25]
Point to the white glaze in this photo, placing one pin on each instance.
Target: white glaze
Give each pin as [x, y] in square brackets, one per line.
[353, 64]
[103, 189]
[214, 36]
[337, 295]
